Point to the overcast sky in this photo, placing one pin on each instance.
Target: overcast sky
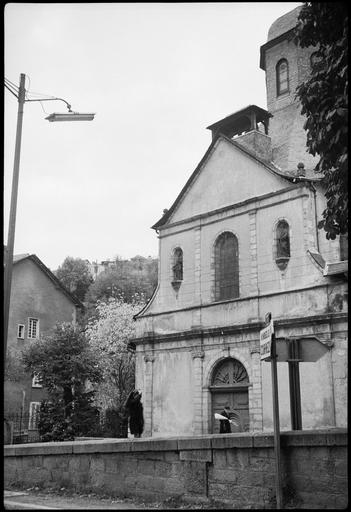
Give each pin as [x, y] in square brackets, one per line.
[155, 75]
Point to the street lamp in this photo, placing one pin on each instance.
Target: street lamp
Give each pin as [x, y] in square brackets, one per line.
[71, 116]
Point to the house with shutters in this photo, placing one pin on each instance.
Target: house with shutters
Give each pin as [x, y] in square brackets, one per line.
[38, 301]
[241, 241]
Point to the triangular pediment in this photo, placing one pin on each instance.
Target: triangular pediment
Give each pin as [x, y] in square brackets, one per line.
[227, 175]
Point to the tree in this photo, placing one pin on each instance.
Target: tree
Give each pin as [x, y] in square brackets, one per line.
[324, 99]
[75, 275]
[109, 334]
[127, 278]
[65, 364]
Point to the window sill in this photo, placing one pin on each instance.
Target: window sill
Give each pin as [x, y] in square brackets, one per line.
[176, 284]
[282, 262]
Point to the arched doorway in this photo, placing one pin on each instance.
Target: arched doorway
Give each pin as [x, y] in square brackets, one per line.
[229, 384]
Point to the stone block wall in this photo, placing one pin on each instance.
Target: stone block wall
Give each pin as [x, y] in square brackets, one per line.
[232, 469]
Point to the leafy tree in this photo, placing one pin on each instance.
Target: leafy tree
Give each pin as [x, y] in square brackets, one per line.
[324, 98]
[128, 278]
[109, 334]
[65, 364]
[75, 275]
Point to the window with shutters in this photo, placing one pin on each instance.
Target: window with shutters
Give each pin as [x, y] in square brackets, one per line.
[282, 244]
[20, 331]
[282, 73]
[226, 267]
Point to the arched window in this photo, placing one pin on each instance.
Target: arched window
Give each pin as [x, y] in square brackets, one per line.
[177, 266]
[226, 267]
[229, 373]
[282, 71]
[282, 244]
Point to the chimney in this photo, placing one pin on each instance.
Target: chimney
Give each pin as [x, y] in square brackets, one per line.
[257, 143]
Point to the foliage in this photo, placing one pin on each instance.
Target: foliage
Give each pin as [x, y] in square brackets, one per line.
[115, 423]
[65, 363]
[109, 334]
[324, 98]
[54, 426]
[125, 279]
[75, 275]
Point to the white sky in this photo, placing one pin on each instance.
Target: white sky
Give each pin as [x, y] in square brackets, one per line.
[156, 74]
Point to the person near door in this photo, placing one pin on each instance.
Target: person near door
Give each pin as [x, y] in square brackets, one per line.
[134, 409]
[224, 425]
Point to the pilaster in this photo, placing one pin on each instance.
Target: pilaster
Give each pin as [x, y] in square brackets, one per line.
[198, 356]
[148, 394]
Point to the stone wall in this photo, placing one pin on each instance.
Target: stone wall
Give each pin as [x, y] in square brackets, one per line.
[237, 470]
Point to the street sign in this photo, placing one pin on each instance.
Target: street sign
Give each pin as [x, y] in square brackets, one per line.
[266, 340]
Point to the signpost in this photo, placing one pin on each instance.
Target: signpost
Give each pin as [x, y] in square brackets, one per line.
[268, 352]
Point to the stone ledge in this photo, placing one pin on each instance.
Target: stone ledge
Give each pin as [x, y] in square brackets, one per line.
[54, 448]
[325, 437]
[102, 446]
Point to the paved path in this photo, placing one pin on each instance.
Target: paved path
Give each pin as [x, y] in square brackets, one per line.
[18, 500]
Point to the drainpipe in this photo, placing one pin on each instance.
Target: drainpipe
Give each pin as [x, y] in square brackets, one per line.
[315, 215]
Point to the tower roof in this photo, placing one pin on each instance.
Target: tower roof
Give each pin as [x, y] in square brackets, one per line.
[235, 123]
[284, 23]
[278, 31]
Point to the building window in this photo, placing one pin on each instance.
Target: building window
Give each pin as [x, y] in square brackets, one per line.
[177, 266]
[36, 381]
[282, 245]
[20, 331]
[226, 267]
[33, 328]
[282, 71]
[344, 247]
[34, 408]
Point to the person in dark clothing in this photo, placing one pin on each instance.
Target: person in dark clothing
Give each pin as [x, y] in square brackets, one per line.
[224, 425]
[134, 409]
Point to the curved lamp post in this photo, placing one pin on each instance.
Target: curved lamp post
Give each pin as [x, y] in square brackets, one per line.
[70, 116]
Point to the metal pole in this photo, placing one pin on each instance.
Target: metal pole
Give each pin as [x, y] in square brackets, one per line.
[13, 207]
[278, 479]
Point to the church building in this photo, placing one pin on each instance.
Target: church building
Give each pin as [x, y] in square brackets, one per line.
[240, 241]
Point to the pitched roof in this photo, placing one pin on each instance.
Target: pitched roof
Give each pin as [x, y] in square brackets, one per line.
[270, 166]
[20, 257]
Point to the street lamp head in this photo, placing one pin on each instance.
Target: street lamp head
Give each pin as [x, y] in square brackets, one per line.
[70, 116]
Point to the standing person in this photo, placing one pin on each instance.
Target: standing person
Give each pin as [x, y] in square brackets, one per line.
[134, 409]
[224, 425]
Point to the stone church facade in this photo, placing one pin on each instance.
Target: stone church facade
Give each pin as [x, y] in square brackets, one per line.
[241, 240]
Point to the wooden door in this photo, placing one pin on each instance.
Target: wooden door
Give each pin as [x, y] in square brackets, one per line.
[238, 401]
[230, 385]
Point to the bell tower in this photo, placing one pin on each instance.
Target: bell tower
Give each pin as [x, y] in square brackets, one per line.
[286, 66]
